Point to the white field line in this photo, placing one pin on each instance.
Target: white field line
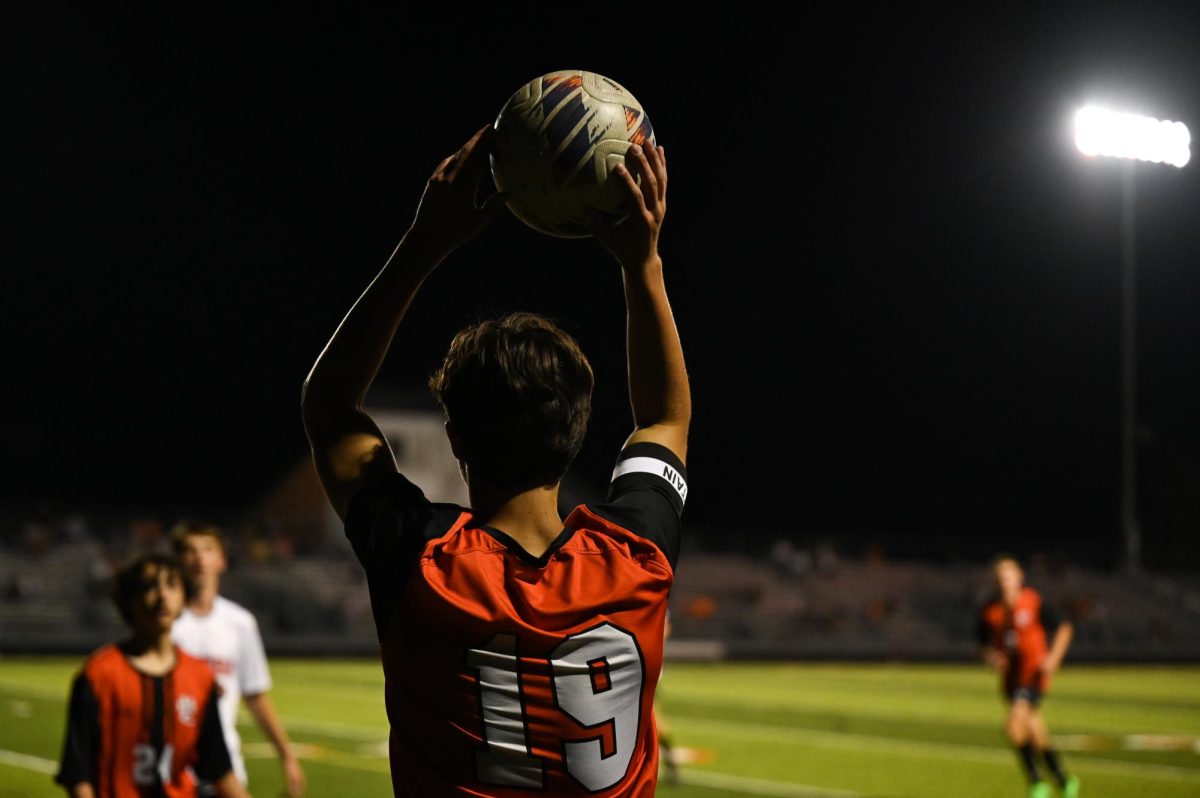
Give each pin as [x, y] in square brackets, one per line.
[891, 745]
[370, 757]
[330, 728]
[27, 762]
[1129, 742]
[782, 789]
[820, 738]
[326, 756]
[31, 691]
[831, 739]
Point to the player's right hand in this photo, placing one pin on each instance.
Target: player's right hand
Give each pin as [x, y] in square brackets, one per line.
[294, 775]
[447, 215]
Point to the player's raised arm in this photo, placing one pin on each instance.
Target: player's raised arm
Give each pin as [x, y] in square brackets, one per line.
[658, 381]
[346, 443]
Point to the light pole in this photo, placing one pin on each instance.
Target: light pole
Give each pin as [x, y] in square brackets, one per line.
[1100, 132]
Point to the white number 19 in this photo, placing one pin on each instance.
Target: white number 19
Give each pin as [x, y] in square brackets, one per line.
[598, 678]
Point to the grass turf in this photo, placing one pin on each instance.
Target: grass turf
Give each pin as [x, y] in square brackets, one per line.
[757, 729]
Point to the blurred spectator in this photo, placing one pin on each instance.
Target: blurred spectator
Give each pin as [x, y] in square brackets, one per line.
[701, 608]
[788, 560]
[100, 572]
[22, 588]
[37, 540]
[879, 610]
[75, 529]
[148, 535]
[826, 558]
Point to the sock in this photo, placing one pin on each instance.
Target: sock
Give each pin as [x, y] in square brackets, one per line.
[1052, 762]
[1029, 762]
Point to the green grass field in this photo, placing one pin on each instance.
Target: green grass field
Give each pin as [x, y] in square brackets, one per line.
[758, 729]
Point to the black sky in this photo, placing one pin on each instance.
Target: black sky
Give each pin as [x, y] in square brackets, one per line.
[897, 284]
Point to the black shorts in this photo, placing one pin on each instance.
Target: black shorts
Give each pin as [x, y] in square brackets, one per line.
[1025, 692]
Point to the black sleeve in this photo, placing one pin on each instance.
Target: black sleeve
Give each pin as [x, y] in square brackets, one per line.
[647, 494]
[1050, 619]
[379, 514]
[83, 736]
[983, 632]
[212, 755]
[388, 522]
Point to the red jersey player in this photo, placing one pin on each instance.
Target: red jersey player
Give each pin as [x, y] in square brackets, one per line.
[143, 714]
[1014, 630]
[520, 649]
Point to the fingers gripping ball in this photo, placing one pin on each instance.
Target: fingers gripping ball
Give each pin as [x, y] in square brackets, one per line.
[557, 141]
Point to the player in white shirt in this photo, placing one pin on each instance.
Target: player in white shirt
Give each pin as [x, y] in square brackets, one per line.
[226, 635]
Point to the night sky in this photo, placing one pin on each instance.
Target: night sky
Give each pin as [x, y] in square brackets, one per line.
[896, 281]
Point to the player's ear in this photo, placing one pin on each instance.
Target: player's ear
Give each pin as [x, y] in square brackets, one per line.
[455, 441]
[457, 448]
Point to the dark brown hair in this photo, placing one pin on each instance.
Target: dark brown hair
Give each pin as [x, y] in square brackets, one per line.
[518, 392]
[129, 582]
[1002, 558]
[191, 527]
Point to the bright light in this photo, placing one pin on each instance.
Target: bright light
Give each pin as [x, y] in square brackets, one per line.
[1102, 132]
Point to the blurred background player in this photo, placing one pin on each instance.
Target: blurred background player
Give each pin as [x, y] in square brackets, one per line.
[143, 714]
[666, 752]
[1025, 641]
[225, 634]
[519, 650]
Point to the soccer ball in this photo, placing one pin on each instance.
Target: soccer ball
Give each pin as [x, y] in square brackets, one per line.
[557, 140]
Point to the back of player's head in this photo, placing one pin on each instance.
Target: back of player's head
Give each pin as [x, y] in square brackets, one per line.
[518, 392]
[190, 527]
[136, 576]
[1006, 560]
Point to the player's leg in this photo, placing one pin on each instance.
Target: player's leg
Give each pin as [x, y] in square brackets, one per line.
[666, 754]
[1018, 729]
[1069, 785]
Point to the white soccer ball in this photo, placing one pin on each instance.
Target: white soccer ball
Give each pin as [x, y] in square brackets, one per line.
[557, 140]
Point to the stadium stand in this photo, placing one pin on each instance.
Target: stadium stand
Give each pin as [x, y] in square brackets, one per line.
[793, 603]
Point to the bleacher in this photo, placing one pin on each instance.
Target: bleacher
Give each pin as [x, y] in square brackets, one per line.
[904, 610]
[818, 607]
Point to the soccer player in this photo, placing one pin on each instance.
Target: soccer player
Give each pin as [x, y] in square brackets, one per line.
[666, 751]
[143, 714]
[1025, 641]
[225, 634]
[520, 649]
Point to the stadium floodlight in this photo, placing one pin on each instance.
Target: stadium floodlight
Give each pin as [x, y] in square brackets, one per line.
[1099, 131]
[1103, 132]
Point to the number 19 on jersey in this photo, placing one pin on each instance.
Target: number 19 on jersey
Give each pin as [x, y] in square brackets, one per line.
[597, 677]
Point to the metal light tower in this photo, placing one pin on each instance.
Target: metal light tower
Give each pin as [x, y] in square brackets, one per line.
[1100, 132]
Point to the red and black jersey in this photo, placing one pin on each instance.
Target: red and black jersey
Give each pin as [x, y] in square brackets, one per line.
[508, 673]
[1021, 632]
[130, 735]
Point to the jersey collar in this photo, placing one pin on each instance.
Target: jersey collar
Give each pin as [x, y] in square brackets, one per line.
[519, 551]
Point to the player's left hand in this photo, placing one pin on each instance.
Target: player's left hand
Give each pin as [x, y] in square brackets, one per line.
[294, 774]
[634, 242]
[448, 215]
